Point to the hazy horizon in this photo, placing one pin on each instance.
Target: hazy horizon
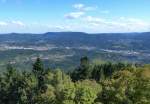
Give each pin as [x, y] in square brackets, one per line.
[73, 32]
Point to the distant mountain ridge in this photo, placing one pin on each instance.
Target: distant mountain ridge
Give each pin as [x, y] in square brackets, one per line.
[64, 49]
[102, 40]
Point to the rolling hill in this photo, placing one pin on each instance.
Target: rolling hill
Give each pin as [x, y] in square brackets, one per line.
[68, 47]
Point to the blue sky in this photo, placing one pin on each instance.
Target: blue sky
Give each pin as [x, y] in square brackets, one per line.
[94, 16]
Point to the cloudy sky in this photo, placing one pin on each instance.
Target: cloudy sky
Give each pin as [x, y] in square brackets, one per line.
[93, 16]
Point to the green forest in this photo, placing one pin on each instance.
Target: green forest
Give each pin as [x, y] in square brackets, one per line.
[88, 83]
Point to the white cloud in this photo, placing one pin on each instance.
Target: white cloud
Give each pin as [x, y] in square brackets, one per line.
[18, 23]
[94, 19]
[74, 15]
[86, 24]
[12, 23]
[79, 6]
[12, 26]
[80, 10]
[97, 24]
[3, 23]
[131, 21]
[59, 27]
[82, 7]
[134, 24]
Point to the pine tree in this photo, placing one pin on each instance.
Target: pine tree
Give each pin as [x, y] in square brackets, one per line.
[39, 72]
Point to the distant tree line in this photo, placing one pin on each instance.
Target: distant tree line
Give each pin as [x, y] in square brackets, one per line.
[107, 83]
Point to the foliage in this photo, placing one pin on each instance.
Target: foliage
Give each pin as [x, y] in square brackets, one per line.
[105, 83]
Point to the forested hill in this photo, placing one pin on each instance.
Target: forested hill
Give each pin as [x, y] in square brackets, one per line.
[133, 41]
[105, 83]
